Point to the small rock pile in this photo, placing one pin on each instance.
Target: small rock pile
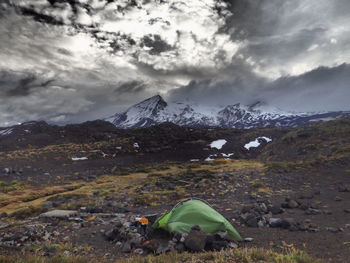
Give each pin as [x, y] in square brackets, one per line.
[264, 214]
[33, 234]
[129, 240]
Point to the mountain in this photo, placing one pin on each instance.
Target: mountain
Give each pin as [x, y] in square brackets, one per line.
[156, 110]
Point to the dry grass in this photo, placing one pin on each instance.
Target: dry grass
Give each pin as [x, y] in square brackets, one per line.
[252, 255]
[29, 199]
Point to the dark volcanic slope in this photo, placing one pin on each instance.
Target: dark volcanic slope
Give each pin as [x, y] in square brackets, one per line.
[320, 142]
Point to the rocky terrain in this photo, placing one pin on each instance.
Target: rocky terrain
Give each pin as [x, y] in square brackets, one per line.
[75, 190]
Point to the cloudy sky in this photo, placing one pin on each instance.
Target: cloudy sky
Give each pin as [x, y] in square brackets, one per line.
[77, 60]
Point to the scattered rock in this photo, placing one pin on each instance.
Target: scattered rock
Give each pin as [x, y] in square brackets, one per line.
[334, 229]
[312, 211]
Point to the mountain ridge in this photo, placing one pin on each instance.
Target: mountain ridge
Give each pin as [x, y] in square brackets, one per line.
[155, 110]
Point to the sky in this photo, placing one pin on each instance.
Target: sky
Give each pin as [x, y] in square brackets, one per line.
[77, 60]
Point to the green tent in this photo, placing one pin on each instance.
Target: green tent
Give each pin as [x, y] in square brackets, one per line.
[195, 212]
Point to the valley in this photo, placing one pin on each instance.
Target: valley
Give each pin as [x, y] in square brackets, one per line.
[285, 190]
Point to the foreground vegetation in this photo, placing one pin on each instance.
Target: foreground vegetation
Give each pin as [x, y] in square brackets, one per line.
[234, 256]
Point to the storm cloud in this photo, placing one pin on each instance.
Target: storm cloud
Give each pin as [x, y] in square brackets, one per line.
[71, 61]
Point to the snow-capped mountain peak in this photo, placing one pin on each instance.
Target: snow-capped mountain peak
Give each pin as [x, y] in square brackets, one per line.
[156, 110]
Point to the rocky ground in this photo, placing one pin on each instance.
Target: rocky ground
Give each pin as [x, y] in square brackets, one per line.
[51, 204]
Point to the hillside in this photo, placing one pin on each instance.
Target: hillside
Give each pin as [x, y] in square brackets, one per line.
[285, 189]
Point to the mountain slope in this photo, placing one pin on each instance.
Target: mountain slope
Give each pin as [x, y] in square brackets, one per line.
[156, 110]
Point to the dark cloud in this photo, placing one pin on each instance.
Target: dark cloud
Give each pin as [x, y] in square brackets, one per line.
[131, 87]
[322, 89]
[82, 59]
[156, 44]
[41, 17]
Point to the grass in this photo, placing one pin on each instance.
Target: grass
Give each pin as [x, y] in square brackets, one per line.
[23, 200]
[251, 255]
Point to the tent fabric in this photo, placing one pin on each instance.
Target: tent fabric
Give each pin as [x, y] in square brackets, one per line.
[195, 212]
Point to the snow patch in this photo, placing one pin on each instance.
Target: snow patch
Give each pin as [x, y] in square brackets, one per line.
[194, 160]
[256, 143]
[6, 132]
[218, 144]
[79, 158]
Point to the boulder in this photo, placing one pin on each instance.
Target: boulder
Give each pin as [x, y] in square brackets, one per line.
[111, 234]
[282, 223]
[275, 210]
[126, 247]
[60, 214]
[196, 239]
[251, 221]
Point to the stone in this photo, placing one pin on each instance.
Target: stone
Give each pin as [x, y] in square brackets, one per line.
[232, 245]
[138, 251]
[251, 221]
[219, 244]
[292, 204]
[180, 247]
[196, 239]
[275, 222]
[261, 223]
[275, 210]
[347, 211]
[93, 209]
[288, 223]
[312, 211]
[334, 229]
[126, 247]
[150, 245]
[60, 214]
[248, 239]
[111, 234]
[282, 223]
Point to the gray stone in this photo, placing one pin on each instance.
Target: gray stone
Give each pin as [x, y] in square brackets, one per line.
[248, 239]
[275, 210]
[292, 204]
[275, 222]
[138, 251]
[61, 214]
[126, 247]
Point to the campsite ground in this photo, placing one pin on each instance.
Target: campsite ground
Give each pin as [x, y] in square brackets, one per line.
[141, 182]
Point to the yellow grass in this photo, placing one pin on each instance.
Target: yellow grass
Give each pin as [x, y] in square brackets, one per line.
[14, 201]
